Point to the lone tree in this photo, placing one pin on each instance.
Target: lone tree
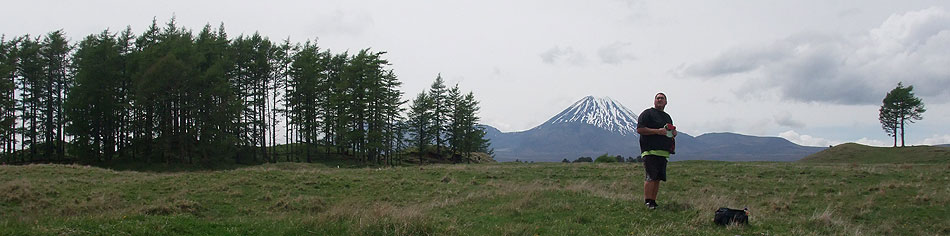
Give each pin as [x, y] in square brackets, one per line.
[900, 107]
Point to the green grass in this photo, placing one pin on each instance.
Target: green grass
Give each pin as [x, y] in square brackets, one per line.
[857, 153]
[482, 199]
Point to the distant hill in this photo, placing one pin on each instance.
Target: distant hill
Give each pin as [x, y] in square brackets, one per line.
[738, 147]
[594, 126]
[857, 153]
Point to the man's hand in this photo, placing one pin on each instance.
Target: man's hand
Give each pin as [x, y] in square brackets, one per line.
[649, 131]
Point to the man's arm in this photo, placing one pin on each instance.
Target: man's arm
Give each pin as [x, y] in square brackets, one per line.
[642, 129]
[649, 131]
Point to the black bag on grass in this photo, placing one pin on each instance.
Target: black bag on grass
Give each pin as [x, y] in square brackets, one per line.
[725, 216]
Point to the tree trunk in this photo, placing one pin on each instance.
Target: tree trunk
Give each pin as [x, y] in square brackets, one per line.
[263, 123]
[309, 141]
[287, 133]
[33, 133]
[49, 117]
[902, 131]
[62, 122]
[895, 137]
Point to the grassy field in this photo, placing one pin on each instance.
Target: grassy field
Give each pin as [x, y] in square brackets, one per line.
[482, 199]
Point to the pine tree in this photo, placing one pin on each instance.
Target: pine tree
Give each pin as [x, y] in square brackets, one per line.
[141, 59]
[164, 90]
[281, 60]
[900, 106]
[420, 122]
[30, 77]
[437, 93]
[474, 135]
[216, 106]
[355, 103]
[8, 61]
[94, 106]
[392, 110]
[370, 109]
[55, 53]
[126, 131]
[382, 105]
[287, 109]
[307, 82]
[889, 121]
[241, 52]
[337, 102]
[455, 133]
[464, 134]
[254, 71]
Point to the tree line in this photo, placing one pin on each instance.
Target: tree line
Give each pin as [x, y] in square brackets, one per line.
[170, 95]
[605, 158]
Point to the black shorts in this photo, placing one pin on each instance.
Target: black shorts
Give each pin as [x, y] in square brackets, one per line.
[655, 167]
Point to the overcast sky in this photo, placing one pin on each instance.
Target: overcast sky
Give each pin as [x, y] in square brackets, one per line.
[813, 72]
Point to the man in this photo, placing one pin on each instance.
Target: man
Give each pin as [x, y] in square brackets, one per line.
[656, 144]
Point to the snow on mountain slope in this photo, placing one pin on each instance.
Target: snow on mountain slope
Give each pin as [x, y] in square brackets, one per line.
[600, 112]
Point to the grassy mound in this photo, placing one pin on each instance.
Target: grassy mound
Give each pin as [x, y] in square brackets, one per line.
[857, 153]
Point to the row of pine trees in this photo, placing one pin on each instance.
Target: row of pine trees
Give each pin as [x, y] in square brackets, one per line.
[172, 96]
[447, 118]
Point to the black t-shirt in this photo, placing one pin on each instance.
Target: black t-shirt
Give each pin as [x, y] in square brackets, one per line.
[654, 119]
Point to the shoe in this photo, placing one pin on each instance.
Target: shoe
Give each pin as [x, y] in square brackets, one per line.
[651, 205]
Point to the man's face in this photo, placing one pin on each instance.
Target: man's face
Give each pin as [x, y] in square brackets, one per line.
[659, 101]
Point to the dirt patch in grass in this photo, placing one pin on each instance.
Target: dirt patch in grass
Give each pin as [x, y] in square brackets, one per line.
[18, 191]
[307, 204]
[613, 192]
[830, 219]
[379, 218]
[96, 204]
[170, 206]
[32, 201]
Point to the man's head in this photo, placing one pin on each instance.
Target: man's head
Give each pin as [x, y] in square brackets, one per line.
[659, 101]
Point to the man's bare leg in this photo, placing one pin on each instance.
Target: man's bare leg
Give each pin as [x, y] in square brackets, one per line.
[650, 189]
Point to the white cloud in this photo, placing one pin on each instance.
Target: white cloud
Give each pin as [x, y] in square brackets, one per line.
[810, 67]
[616, 53]
[937, 140]
[559, 55]
[785, 119]
[806, 140]
[873, 142]
[339, 22]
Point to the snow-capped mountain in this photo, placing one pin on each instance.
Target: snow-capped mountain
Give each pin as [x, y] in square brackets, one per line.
[595, 126]
[590, 127]
[600, 112]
